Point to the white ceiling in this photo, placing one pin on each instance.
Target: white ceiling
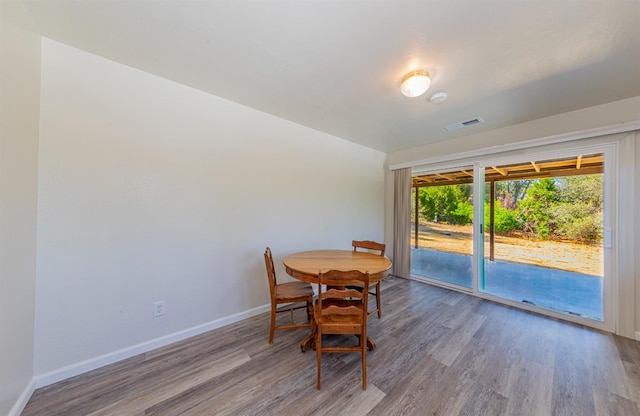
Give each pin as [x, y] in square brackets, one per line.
[336, 65]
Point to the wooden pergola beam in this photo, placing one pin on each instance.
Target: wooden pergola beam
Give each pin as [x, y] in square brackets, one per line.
[579, 165]
[502, 172]
[447, 177]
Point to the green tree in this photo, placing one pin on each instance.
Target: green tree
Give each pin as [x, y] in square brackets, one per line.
[583, 188]
[537, 208]
[509, 193]
[578, 215]
[450, 203]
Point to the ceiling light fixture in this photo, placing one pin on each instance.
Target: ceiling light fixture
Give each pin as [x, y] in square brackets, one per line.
[415, 83]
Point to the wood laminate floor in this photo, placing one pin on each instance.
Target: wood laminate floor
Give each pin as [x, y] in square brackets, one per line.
[439, 353]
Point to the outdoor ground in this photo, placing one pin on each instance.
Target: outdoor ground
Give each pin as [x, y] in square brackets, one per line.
[570, 256]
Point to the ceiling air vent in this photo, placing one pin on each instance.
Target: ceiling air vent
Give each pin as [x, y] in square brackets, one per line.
[456, 126]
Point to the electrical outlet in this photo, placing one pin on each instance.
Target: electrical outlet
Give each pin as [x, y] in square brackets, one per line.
[158, 308]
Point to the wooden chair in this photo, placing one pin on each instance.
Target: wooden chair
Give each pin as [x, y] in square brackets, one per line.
[375, 290]
[341, 310]
[290, 293]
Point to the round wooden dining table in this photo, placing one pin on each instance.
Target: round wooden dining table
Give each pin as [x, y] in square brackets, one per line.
[306, 265]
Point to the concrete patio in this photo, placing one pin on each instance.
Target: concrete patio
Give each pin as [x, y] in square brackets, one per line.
[559, 290]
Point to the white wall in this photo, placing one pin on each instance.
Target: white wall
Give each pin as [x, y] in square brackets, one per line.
[592, 118]
[149, 190]
[588, 118]
[19, 107]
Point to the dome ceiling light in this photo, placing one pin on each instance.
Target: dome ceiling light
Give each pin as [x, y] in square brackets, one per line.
[415, 83]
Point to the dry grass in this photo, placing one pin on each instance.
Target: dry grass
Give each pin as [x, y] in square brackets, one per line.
[564, 255]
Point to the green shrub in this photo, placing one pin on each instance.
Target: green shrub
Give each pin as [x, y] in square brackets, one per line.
[506, 220]
[579, 221]
[463, 214]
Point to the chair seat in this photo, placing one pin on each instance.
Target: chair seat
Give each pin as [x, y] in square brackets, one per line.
[293, 291]
[336, 325]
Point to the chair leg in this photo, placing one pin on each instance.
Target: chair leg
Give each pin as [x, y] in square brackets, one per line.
[378, 308]
[272, 329]
[309, 311]
[364, 365]
[378, 302]
[318, 355]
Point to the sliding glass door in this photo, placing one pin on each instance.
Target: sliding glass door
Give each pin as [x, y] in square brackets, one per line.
[532, 230]
[544, 234]
[442, 228]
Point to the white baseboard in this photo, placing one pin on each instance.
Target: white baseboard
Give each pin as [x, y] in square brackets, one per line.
[22, 401]
[637, 335]
[128, 352]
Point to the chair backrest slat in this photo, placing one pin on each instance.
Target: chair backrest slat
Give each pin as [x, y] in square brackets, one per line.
[342, 310]
[341, 299]
[368, 245]
[343, 294]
